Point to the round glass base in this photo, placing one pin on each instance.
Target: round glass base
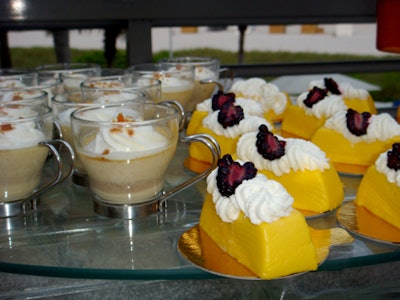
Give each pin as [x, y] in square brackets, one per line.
[126, 211]
[80, 179]
[19, 207]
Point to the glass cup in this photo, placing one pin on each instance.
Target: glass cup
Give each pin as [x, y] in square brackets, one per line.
[107, 85]
[177, 80]
[64, 105]
[206, 73]
[72, 74]
[126, 150]
[33, 96]
[25, 141]
[13, 80]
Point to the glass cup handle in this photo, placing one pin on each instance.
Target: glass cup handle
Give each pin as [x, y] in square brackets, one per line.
[227, 75]
[213, 146]
[57, 132]
[60, 176]
[181, 110]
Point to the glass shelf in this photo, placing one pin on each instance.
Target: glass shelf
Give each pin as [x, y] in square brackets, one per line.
[65, 238]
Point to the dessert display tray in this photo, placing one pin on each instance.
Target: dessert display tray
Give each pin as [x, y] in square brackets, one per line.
[64, 237]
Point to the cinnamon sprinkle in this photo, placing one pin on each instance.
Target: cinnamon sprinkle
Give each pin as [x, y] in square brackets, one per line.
[6, 127]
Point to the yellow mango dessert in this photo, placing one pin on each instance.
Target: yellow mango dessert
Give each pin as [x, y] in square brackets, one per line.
[310, 112]
[251, 218]
[208, 106]
[299, 165]
[353, 140]
[379, 190]
[226, 123]
[358, 99]
[273, 101]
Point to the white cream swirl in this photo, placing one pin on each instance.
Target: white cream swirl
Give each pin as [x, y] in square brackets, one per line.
[266, 93]
[324, 108]
[260, 199]
[11, 83]
[116, 142]
[381, 127]
[249, 123]
[299, 155]
[202, 73]
[392, 175]
[348, 91]
[16, 133]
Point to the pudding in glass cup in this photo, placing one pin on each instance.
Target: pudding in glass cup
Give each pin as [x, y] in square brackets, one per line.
[206, 73]
[177, 80]
[65, 104]
[94, 87]
[26, 132]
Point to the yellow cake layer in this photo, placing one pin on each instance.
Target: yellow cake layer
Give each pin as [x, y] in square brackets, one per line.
[196, 121]
[346, 156]
[200, 152]
[361, 105]
[270, 250]
[299, 125]
[379, 196]
[314, 190]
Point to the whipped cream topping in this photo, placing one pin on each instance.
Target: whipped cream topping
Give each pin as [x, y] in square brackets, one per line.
[250, 107]
[259, 199]
[9, 96]
[113, 97]
[17, 133]
[381, 127]
[299, 155]
[121, 141]
[170, 83]
[260, 90]
[201, 73]
[249, 123]
[64, 117]
[347, 90]
[326, 107]
[11, 84]
[392, 175]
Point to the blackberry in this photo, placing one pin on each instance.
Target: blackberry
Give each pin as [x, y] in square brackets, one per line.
[231, 174]
[220, 98]
[356, 122]
[230, 115]
[314, 96]
[393, 157]
[332, 86]
[268, 145]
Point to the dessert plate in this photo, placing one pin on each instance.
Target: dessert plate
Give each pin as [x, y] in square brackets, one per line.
[198, 248]
[309, 215]
[360, 222]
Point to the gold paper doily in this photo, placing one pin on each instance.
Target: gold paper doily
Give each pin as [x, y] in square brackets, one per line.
[359, 221]
[197, 247]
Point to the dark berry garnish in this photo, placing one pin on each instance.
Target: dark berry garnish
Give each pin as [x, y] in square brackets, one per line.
[268, 145]
[220, 98]
[332, 86]
[357, 123]
[393, 157]
[314, 96]
[231, 174]
[230, 115]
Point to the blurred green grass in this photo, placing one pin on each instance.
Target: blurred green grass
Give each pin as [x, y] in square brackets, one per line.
[388, 81]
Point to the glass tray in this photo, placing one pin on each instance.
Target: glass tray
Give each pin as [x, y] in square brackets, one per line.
[65, 238]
